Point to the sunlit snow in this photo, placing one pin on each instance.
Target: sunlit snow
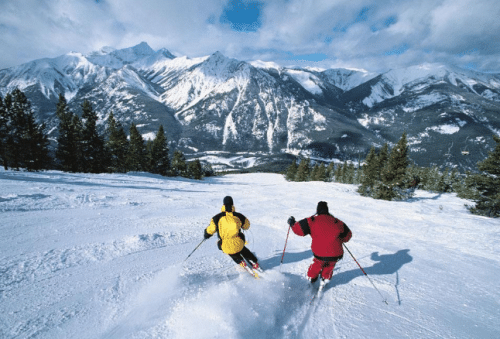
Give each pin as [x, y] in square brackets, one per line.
[103, 256]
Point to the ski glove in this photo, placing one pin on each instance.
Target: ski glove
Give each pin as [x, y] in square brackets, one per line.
[291, 221]
[206, 235]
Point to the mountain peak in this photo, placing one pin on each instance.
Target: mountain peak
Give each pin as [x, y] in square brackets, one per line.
[143, 48]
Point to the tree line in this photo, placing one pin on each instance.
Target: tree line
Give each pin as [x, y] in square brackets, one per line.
[24, 143]
[389, 174]
[385, 174]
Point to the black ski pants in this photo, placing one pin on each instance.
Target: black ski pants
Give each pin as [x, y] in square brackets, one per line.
[244, 254]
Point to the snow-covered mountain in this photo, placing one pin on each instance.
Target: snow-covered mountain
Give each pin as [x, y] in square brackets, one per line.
[215, 103]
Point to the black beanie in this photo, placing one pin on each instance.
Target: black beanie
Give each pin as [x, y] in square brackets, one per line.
[322, 208]
[228, 202]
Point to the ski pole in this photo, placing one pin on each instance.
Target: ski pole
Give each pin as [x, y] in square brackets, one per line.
[286, 241]
[366, 275]
[195, 249]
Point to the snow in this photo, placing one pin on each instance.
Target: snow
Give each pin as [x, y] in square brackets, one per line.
[423, 101]
[349, 78]
[103, 256]
[444, 129]
[422, 76]
[306, 80]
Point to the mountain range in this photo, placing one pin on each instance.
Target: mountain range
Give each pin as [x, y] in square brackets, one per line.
[238, 114]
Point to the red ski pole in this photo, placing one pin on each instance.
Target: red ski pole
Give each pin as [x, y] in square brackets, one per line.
[286, 241]
[366, 275]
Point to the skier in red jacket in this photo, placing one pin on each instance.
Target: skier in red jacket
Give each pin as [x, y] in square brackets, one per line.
[327, 233]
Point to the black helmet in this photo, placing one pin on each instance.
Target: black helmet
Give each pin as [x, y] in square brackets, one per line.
[228, 203]
[322, 208]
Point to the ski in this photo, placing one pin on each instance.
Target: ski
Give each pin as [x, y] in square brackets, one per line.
[317, 294]
[250, 270]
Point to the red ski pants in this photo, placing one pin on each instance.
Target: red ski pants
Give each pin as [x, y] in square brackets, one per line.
[325, 268]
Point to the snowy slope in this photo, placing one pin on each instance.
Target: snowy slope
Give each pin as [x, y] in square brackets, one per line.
[102, 256]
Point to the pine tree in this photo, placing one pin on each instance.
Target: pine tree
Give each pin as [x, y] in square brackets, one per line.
[35, 143]
[23, 141]
[208, 171]
[15, 106]
[160, 162]
[359, 173]
[351, 173]
[330, 171]
[315, 172]
[3, 133]
[179, 166]
[137, 151]
[338, 173]
[93, 151]
[345, 173]
[488, 184]
[117, 145]
[320, 174]
[303, 170]
[370, 173]
[397, 164]
[69, 152]
[394, 172]
[194, 169]
[382, 159]
[291, 171]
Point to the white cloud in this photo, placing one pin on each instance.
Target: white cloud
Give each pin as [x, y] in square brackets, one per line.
[352, 33]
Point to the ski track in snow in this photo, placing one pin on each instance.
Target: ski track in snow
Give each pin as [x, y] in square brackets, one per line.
[102, 256]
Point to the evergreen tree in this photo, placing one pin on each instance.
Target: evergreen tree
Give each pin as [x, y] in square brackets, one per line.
[208, 171]
[488, 184]
[338, 173]
[35, 143]
[432, 177]
[345, 173]
[194, 169]
[117, 145]
[330, 171]
[160, 162]
[382, 159]
[3, 133]
[397, 164]
[470, 189]
[93, 151]
[350, 173]
[179, 166]
[359, 173]
[137, 151]
[6, 132]
[315, 172]
[15, 106]
[370, 173]
[320, 174]
[303, 170]
[68, 150]
[23, 141]
[291, 171]
[394, 172]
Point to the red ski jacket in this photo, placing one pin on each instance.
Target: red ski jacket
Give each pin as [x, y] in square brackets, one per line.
[327, 233]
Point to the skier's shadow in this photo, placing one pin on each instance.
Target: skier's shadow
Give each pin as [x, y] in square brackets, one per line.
[386, 264]
[290, 257]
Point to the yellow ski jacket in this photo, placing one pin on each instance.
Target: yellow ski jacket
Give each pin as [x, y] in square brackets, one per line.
[228, 226]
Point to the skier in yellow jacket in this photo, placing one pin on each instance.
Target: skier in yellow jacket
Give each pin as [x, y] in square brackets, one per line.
[228, 225]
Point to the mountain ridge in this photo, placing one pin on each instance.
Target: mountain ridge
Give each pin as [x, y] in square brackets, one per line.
[216, 103]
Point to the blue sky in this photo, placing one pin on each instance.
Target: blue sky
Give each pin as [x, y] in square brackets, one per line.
[375, 35]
